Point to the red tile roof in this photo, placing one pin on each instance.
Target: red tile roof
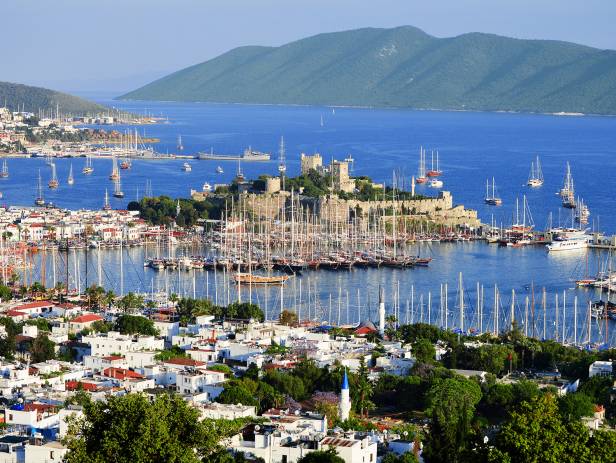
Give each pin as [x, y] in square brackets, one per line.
[34, 305]
[89, 317]
[121, 373]
[111, 358]
[185, 362]
[16, 313]
[74, 385]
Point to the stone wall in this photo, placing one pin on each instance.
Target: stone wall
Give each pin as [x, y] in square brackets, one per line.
[439, 210]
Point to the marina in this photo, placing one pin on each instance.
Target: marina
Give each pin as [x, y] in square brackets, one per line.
[335, 261]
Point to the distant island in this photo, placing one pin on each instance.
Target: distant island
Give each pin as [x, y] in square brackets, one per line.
[403, 67]
[17, 96]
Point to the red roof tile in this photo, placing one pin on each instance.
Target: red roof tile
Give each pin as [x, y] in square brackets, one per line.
[89, 317]
[120, 373]
[185, 362]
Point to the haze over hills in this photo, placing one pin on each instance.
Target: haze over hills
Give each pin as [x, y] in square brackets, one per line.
[403, 67]
[33, 99]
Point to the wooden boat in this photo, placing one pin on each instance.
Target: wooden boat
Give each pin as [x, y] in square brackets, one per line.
[251, 279]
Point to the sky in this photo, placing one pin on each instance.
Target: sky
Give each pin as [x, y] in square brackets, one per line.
[115, 46]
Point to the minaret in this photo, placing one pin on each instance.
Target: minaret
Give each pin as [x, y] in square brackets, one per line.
[344, 407]
[381, 312]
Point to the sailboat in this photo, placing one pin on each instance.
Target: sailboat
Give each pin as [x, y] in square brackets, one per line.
[322, 121]
[535, 178]
[582, 212]
[87, 169]
[39, 200]
[567, 192]
[53, 183]
[115, 173]
[70, 179]
[492, 198]
[180, 145]
[219, 170]
[434, 172]
[5, 170]
[106, 205]
[421, 174]
[117, 187]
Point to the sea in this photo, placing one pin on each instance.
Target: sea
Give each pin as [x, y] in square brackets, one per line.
[472, 147]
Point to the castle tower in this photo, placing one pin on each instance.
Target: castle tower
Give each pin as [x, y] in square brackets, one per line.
[344, 407]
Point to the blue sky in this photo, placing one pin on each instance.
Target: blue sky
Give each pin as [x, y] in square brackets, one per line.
[117, 45]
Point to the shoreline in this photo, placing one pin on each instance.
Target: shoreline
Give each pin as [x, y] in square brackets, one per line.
[391, 107]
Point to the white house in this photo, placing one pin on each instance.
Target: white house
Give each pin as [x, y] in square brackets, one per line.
[600, 368]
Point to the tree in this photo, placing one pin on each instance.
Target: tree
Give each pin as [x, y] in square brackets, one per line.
[321, 456]
[363, 390]
[243, 310]
[535, 432]
[135, 324]
[167, 354]
[287, 317]
[42, 349]
[424, 351]
[235, 392]
[575, 406]
[96, 296]
[101, 326]
[407, 457]
[5, 293]
[451, 405]
[7, 343]
[133, 429]
[131, 301]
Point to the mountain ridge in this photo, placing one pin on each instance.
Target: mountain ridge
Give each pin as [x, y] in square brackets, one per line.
[34, 99]
[403, 67]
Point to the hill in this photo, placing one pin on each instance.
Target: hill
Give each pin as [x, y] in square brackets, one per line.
[403, 67]
[35, 98]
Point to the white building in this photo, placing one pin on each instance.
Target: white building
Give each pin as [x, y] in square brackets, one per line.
[115, 343]
[600, 368]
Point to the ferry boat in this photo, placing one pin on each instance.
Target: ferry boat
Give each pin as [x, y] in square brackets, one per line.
[248, 156]
[88, 169]
[186, 167]
[53, 183]
[70, 179]
[39, 200]
[219, 170]
[491, 197]
[436, 183]
[434, 172]
[567, 192]
[421, 174]
[568, 239]
[535, 177]
[250, 279]
[5, 170]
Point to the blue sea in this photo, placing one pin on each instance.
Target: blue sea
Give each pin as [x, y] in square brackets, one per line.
[472, 148]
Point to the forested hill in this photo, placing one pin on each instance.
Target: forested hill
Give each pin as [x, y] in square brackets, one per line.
[403, 67]
[32, 99]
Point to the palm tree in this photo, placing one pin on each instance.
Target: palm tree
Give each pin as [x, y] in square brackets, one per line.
[109, 298]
